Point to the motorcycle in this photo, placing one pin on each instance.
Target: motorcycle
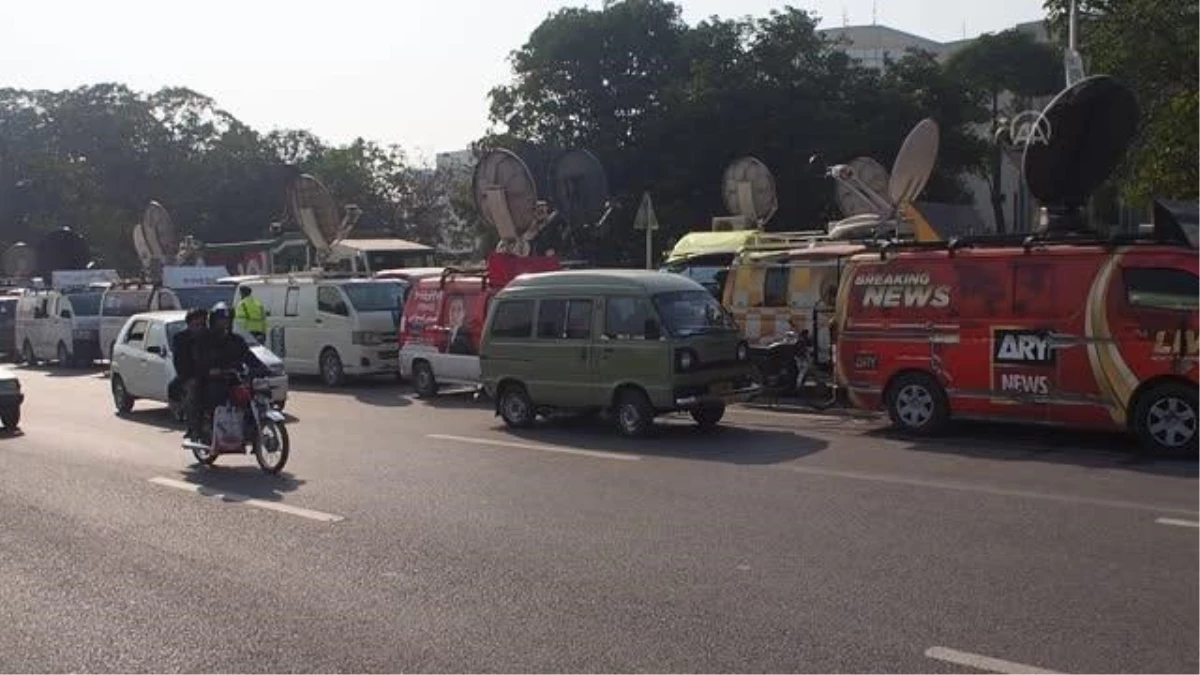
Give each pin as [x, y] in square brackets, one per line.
[245, 424]
[788, 365]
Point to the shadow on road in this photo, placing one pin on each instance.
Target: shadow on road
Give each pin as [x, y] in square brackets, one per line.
[50, 370]
[1024, 443]
[378, 391]
[157, 416]
[670, 438]
[244, 480]
[11, 433]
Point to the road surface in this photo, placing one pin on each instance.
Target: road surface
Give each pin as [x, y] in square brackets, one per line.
[422, 536]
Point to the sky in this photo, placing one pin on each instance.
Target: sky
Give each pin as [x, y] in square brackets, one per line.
[412, 72]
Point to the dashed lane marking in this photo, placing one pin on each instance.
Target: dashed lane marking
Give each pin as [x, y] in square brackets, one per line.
[980, 662]
[598, 454]
[1178, 522]
[278, 507]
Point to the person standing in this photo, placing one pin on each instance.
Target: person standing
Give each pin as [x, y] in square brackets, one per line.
[183, 356]
[250, 316]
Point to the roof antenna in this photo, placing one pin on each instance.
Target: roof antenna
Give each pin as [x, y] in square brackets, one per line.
[845, 18]
[1072, 61]
[874, 12]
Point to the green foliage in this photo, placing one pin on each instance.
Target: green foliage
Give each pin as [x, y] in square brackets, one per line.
[92, 158]
[666, 107]
[1153, 47]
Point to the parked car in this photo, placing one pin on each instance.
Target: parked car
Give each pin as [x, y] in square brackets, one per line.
[11, 398]
[636, 343]
[142, 365]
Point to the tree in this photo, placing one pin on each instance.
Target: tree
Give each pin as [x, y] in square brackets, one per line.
[1013, 63]
[1152, 47]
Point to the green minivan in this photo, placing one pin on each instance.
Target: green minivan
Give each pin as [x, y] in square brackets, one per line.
[634, 343]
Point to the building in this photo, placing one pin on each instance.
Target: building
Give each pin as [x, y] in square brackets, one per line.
[456, 161]
[874, 46]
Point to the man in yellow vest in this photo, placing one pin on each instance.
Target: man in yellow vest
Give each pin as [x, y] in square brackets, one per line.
[250, 316]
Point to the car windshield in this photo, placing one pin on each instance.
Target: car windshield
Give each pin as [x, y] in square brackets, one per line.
[125, 303]
[174, 328]
[692, 312]
[8, 308]
[86, 304]
[375, 296]
[204, 297]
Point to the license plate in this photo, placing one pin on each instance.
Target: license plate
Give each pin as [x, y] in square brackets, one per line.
[722, 388]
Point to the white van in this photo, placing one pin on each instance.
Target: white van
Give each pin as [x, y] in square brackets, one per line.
[121, 301]
[332, 327]
[58, 326]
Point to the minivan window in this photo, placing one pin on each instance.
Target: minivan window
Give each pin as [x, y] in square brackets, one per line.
[376, 296]
[85, 304]
[776, 280]
[692, 312]
[125, 303]
[565, 319]
[514, 319]
[1161, 288]
[204, 297]
[331, 302]
[625, 318]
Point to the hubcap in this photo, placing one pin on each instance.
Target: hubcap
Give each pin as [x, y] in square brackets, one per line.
[271, 444]
[331, 368]
[914, 405]
[423, 378]
[1171, 422]
[515, 408]
[629, 417]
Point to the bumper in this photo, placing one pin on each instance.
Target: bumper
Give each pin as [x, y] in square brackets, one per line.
[740, 395]
[11, 400]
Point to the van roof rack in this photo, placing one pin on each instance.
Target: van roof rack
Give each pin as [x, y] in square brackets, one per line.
[1027, 241]
[135, 284]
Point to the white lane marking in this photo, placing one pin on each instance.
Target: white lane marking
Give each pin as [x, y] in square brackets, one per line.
[599, 454]
[249, 501]
[800, 414]
[1177, 521]
[985, 663]
[981, 489]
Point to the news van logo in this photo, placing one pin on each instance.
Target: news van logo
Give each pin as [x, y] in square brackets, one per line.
[1022, 347]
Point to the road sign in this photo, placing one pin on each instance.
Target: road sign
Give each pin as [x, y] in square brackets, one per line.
[645, 218]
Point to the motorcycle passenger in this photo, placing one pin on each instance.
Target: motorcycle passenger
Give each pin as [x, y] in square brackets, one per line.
[185, 387]
[219, 352]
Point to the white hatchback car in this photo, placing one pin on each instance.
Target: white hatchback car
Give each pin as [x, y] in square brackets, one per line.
[142, 367]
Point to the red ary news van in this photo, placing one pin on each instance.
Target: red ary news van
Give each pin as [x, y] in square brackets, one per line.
[1065, 328]
[444, 315]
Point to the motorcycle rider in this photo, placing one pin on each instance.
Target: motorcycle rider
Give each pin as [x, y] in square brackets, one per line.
[185, 387]
[219, 351]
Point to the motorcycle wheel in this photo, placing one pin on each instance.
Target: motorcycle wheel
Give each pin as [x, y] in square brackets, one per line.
[205, 456]
[271, 447]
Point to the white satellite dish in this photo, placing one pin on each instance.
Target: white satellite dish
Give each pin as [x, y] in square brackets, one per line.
[155, 239]
[317, 215]
[748, 189]
[861, 187]
[914, 163]
[506, 196]
[19, 261]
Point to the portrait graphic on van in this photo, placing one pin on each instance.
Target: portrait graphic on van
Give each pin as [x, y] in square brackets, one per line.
[459, 340]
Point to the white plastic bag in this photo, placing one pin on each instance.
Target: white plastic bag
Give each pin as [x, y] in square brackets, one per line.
[227, 428]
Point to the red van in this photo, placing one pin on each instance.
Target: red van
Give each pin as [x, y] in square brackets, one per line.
[444, 315]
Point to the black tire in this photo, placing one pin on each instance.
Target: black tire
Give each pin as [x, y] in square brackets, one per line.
[121, 398]
[65, 360]
[11, 418]
[916, 403]
[633, 414]
[332, 372]
[284, 450]
[205, 457]
[424, 383]
[709, 416]
[1165, 420]
[515, 406]
[787, 378]
[175, 409]
[27, 355]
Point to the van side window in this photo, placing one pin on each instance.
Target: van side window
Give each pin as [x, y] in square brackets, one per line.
[330, 301]
[291, 302]
[136, 334]
[775, 286]
[579, 320]
[514, 319]
[625, 318]
[1161, 288]
[552, 314]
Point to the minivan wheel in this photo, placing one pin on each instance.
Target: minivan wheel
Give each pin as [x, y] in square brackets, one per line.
[121, 398]
[516, 407]
[64, 357]
[10, 417]
[1165, 419]
[424, 382]
[708, 416]
[332, 373]
[916, 403]
[634, 414]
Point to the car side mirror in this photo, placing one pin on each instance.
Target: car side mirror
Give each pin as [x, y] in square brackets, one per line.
[651, 330]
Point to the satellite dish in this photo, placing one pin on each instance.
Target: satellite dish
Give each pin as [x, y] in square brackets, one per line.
[61, 249]
[315, 211]
[159, 233]
[19, 261]
[580, 188]
[142, 246]
[869, 174]
[749, 190]
[1088, 127]
[914, 163]
[506, 196]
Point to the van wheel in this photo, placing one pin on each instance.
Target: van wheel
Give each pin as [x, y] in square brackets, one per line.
[634, 414]
[709, 416]
[516, 407]
[332, 373]
[64, 357]
[10, 417]
[917, 404]
[423, 380]
[27, 355]
[1165, 419]
[121, 398]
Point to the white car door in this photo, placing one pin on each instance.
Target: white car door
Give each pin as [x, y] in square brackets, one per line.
[156, 375]
[129, 357]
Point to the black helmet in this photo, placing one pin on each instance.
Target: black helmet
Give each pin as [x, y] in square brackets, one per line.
[218, 311]
[196, 313]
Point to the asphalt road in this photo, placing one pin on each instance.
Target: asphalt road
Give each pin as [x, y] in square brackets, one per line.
[422, 536]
